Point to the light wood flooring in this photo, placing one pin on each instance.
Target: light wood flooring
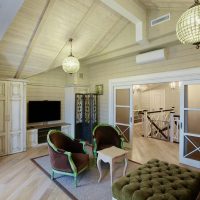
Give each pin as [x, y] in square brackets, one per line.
[23, 180]
[144, 149]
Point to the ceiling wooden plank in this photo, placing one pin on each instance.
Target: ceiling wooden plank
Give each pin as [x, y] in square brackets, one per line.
[43, 17]
[104, 41]
[78, 27]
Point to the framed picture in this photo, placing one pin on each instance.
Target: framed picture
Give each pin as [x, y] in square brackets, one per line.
[99, 89]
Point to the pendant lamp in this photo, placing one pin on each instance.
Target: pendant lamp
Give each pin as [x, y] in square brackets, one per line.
[188, 26]
[71, 64]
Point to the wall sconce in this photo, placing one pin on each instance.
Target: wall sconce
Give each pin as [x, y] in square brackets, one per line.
[99, 89]
[135, 88]
[173, 85]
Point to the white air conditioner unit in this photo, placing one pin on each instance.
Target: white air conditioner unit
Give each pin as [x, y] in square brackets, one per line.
[151, 56]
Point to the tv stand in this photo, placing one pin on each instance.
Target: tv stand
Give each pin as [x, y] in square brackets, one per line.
[37, 134]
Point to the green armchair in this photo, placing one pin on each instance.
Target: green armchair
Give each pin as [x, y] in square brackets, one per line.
[67, 156]
[105, 136]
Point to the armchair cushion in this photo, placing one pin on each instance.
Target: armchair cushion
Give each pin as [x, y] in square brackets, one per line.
[80, 160]
[64, 152]
[59, 161]
[106, 136]
[65, 143]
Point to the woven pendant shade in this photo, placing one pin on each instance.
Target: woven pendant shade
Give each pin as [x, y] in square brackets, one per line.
[188, 26]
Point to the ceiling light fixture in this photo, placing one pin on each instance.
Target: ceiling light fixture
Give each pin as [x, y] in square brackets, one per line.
[71, 64]
[188, 26]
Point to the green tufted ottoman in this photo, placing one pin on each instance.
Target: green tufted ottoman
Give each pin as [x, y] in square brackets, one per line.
[157, 180]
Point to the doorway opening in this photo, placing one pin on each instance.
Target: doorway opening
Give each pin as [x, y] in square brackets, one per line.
[156, 124]
[189, 131]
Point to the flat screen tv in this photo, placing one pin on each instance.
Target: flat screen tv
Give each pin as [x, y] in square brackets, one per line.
[43, 111]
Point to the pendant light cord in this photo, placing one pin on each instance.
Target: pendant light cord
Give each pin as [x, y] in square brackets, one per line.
[70, 40]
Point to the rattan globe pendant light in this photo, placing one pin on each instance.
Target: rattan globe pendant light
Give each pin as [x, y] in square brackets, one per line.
[188, 26]
[71, 64]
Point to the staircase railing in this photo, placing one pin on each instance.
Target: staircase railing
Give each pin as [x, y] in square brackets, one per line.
[162, 124]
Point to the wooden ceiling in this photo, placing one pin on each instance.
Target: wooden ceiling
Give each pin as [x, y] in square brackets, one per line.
[168, 4]
[37, 39]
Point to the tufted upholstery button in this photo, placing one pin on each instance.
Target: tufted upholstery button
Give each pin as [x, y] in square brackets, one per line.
[157, 180]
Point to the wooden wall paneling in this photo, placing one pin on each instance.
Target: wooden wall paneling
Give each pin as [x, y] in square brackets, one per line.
[44, 92]
[179, 57]
[3, 118]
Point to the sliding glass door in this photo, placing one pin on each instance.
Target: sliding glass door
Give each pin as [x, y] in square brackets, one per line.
[123, 118]
[190, 124]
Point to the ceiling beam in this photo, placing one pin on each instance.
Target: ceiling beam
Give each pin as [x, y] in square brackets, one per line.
[8, 10]
[42, 20]
[134, 12]
[166, 40]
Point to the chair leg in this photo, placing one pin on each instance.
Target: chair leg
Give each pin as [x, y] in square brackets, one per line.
[95, 154]
[52, 175]
[75, 181]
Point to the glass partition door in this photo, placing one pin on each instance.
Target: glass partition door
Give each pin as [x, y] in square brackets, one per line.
[123, 111]
[190, 124]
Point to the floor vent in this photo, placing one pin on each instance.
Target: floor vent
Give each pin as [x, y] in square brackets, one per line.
[160, 19]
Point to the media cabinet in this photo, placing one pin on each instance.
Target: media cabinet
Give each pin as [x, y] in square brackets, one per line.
[37, 134]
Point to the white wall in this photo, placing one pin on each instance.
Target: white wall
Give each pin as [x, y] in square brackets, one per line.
[143, 99]
[179, 57]
[51, 86]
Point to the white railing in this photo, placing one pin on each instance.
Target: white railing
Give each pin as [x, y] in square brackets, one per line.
[162, 124]
[174, 127]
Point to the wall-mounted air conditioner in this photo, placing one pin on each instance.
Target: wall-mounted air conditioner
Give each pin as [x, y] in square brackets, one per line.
[151, 56]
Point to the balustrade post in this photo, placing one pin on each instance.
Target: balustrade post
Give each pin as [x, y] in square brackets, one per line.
[145, 123]
[172, 126]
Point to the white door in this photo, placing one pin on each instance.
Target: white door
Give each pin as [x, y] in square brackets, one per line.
[3, 118]
[16, 126]
[157, 99]
[190, 124]
[123, 115]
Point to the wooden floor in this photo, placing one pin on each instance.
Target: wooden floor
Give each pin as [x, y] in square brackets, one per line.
[23, 180]
[144, 149]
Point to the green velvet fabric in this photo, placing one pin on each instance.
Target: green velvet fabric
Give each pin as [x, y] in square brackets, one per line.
[157, 180]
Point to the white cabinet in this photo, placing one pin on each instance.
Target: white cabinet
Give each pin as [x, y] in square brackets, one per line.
[32, 137]
[67, 130]
[34, 131]
[12, 117]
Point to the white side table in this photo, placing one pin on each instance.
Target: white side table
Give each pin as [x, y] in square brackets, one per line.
[111, 155]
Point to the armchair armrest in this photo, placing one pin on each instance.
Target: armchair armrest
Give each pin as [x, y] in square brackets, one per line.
[73, 166]
[122, 142]
[95, 147]
[84, 144]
